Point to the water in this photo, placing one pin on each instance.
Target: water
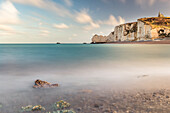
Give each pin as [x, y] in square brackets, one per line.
[74, 62]
[78, 66]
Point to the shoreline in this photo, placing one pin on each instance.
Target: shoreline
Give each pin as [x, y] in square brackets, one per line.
[140, 42]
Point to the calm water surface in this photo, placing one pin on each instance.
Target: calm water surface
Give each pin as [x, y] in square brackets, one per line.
[78, 66]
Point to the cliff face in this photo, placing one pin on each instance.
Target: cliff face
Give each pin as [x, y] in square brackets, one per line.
[99, 39]
[143, 29]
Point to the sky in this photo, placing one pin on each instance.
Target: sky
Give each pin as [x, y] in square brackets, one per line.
[70, 21]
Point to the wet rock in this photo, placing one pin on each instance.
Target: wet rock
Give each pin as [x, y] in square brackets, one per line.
[142, 76]
[78, 109]
[107, 111]
[96, 106]
[154, 94]
[44, 84]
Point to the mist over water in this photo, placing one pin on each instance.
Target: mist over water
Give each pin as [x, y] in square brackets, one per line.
[78, 66]
[21, 65]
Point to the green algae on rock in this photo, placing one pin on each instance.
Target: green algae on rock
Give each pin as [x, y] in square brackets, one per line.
[32, 108]
[37, 108]
[61, 105]
[27, 108]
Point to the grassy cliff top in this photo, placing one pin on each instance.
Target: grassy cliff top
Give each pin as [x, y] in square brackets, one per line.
[157, 22]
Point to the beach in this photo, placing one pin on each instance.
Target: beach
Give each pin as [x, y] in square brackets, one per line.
[95, 101]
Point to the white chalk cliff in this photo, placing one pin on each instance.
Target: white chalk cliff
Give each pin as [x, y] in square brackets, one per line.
[142, 30]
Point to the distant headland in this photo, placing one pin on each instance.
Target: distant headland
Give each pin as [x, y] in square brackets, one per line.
[149, 30]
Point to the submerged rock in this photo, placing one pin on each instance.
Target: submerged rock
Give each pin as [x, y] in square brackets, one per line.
[43, 84]
[0, 105]
[143, 76]
[64, 111]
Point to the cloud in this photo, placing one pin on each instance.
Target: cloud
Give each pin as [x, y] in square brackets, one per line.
[61, 26]
[123, 1]
[75, 35]
[8, 13]
[108, 1]
[6, 28]
[44, 33]
[68, 2]
[112, 21]
[91, 26]
[121, 20]
[83, 17]
[47, 5]
[145, 3]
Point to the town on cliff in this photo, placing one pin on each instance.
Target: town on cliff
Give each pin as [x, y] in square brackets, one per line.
[144, 30]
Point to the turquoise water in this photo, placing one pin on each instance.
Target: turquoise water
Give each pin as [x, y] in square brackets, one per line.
[77, 67]
[80, 65]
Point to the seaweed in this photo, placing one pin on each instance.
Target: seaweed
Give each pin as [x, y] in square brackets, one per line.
[61, 105]
[64, 111]
[32, 108]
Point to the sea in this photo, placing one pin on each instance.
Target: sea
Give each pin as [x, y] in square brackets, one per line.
[78, 67]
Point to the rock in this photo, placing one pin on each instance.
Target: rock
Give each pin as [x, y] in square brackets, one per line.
[27, 108]
[37, 108]
[78, 109]
[32, 108]
[99, 39]
[96, 105]
[43, 84]
[142, 76]
[107, 110]
[167, 96]
[61, 105]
